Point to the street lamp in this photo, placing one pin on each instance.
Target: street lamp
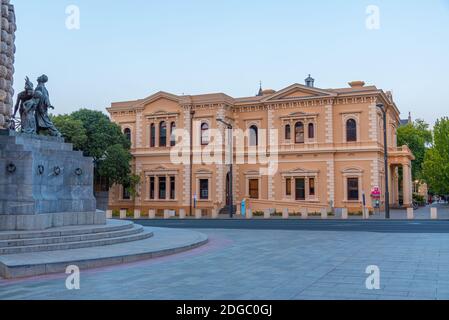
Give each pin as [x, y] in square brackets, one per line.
[231, 192]
[192, 115]
[387, 191]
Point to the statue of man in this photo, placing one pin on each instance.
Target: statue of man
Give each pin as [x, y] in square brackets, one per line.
[42, 119]
[23, 96]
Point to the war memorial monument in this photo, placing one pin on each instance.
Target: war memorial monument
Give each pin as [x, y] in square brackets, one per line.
[48, 216]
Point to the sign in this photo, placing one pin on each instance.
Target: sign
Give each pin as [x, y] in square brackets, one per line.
[375, 193]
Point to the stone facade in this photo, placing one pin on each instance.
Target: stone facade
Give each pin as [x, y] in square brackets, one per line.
[7, 51]
[330, 149]
[44, 184]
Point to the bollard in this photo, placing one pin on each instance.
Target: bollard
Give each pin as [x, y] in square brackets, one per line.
[136, 213]
[152, 214]
[410, 214]
[305, 213]
[434, 213]
[324, 214]
[214, 213]
[344, 213]
[123, 214]
[285, 214]
[109, 214]
[198, 214]
[267, 214]
[366, 213]
[249, 214]
[182, 214]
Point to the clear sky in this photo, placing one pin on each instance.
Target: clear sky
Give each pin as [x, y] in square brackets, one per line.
[128, 50]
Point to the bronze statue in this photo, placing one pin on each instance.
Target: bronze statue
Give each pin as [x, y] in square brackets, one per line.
[33, 107]
[42, 119]
[22, 97]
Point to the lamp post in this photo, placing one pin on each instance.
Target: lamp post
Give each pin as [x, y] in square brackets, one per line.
[387, 190]
[192, 115]
[231, 191]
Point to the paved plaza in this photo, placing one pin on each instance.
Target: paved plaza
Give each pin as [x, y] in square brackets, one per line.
[268, 264]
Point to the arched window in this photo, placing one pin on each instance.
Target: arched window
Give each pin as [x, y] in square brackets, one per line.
[351, 130]
[127, 133]
[253, 136]
[172, 134]
[204, 134]
[299, 132]
[288, 132]
[162, 134]
[152, 135]
[311, 131]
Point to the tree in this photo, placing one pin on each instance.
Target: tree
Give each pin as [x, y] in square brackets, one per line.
[436, 160]
[417, 136]
[72, 130]
[93, 133]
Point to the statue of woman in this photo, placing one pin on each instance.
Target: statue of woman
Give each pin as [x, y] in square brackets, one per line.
[28, 113]
[42, 119]
[22, 97]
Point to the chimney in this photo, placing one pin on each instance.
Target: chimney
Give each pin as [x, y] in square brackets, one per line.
[310, 82]
[357, 84]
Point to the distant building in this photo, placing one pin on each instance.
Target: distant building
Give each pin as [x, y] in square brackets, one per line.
[330, 146]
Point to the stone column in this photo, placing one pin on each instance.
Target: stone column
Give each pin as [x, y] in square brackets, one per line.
[7, 51]
[407, 189]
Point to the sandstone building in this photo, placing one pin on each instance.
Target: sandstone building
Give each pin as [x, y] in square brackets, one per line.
[329, 145]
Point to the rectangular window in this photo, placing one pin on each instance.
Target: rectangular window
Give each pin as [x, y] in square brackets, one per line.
[172, 188]
[288, 187]
[353, 189]
[312, 186]
[204, 189]
[162, 188]
[126, 194]
[300, 189]
[152, 188]
[254, 189]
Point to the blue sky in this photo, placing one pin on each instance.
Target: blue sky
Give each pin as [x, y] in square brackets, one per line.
[130, 49]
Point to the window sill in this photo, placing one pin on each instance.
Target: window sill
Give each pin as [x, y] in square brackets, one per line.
[160, 200]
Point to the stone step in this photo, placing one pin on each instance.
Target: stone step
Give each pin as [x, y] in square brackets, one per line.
[72, 238]
[113, 225]
[76, 245]
[165, 242]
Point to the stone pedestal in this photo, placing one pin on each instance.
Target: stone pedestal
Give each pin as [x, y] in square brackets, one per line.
[44, 184]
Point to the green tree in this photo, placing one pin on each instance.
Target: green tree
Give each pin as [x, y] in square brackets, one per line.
[103, 141]
[72, 130]
[436, 161]
[417, 136]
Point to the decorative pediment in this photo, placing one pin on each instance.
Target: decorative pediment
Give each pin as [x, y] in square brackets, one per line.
[300, 115]
[252, 173]
[352, 170]
[299, 91]
[161, 170]
[300, 171]
[203, 171]
[157, 96]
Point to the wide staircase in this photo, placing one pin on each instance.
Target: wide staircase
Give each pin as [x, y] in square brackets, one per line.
[66, 238]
